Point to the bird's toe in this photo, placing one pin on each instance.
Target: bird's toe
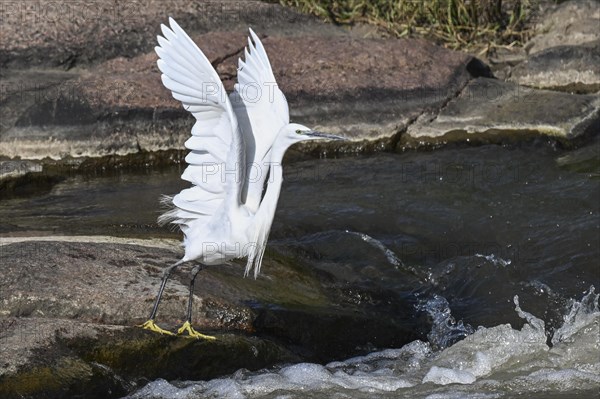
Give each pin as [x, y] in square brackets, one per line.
[188, 330]
[151, 325]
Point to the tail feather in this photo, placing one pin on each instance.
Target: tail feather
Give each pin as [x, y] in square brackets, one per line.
[170, 214]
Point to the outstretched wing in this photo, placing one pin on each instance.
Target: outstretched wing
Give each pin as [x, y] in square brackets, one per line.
[262, 110]
[216, 144]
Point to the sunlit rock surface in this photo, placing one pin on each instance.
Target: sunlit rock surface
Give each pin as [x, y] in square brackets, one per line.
[490, 110]
[572, 68]
[99, 93]
[569, 23]
[370, 91]
[564, 52]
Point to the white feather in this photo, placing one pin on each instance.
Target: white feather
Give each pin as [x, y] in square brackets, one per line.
[224, 205]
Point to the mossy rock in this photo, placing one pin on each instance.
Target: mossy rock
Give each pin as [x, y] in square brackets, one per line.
[106, 362]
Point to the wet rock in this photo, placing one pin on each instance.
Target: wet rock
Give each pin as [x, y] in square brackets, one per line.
[19, 178]
[490, 110]
[582, 160]
[11, 169]
[57, 358]
[68, 309]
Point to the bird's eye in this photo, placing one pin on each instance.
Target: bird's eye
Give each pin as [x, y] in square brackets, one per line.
[298, 131]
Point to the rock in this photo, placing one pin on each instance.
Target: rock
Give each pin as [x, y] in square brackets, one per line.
[570, 23]
[104, 277]
[370, 91]
[565, 53]
[68, 308]
[57, 358]
[503, 59]
[490, 110]
[68, 34]
[581, 160]
[11, 169]
[113, 104]
[47, 112]
[19, 178]
[564, 68]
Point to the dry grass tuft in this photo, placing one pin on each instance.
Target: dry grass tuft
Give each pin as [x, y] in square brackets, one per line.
[457, 24]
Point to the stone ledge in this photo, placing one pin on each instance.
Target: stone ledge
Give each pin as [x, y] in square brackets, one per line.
[492, 110]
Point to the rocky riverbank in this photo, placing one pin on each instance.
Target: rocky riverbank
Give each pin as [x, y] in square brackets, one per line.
[70, 306]
[98, 94]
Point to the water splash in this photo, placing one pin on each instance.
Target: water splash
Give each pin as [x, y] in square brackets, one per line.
[445, 330]
[389, 254]
[496, 261]
[488, 363]
[495, 351]
[579, 314]
[532, 321]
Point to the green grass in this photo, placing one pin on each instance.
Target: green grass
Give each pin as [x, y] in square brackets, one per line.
[464, 24]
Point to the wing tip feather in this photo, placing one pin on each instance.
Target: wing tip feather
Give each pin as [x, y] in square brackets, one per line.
[165, 30]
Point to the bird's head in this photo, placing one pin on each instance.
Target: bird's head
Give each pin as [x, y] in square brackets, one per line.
[294, 133]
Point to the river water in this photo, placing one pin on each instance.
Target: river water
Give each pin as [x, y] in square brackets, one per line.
[499, 246]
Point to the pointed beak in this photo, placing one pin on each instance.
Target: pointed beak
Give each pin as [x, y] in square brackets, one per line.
[320, 135]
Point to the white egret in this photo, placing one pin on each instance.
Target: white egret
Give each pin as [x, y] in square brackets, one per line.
[237, 142]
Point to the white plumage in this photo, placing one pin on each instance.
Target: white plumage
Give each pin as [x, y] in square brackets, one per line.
[237, 142]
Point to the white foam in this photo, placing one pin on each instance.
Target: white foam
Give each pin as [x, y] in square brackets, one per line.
[224, 388]
[306, 374]
[160, 389]
[445, 376]
[579, 315]
[552, 380]
[463, 395]
[487, 350]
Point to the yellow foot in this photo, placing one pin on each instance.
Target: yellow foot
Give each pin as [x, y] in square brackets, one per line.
[187, 327]
[150, 325]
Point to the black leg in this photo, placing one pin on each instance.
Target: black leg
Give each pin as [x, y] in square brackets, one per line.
[187, 328]
[194, 273]
[166, 275]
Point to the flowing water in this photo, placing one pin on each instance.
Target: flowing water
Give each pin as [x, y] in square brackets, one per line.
[498, 246]
[493, 362]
